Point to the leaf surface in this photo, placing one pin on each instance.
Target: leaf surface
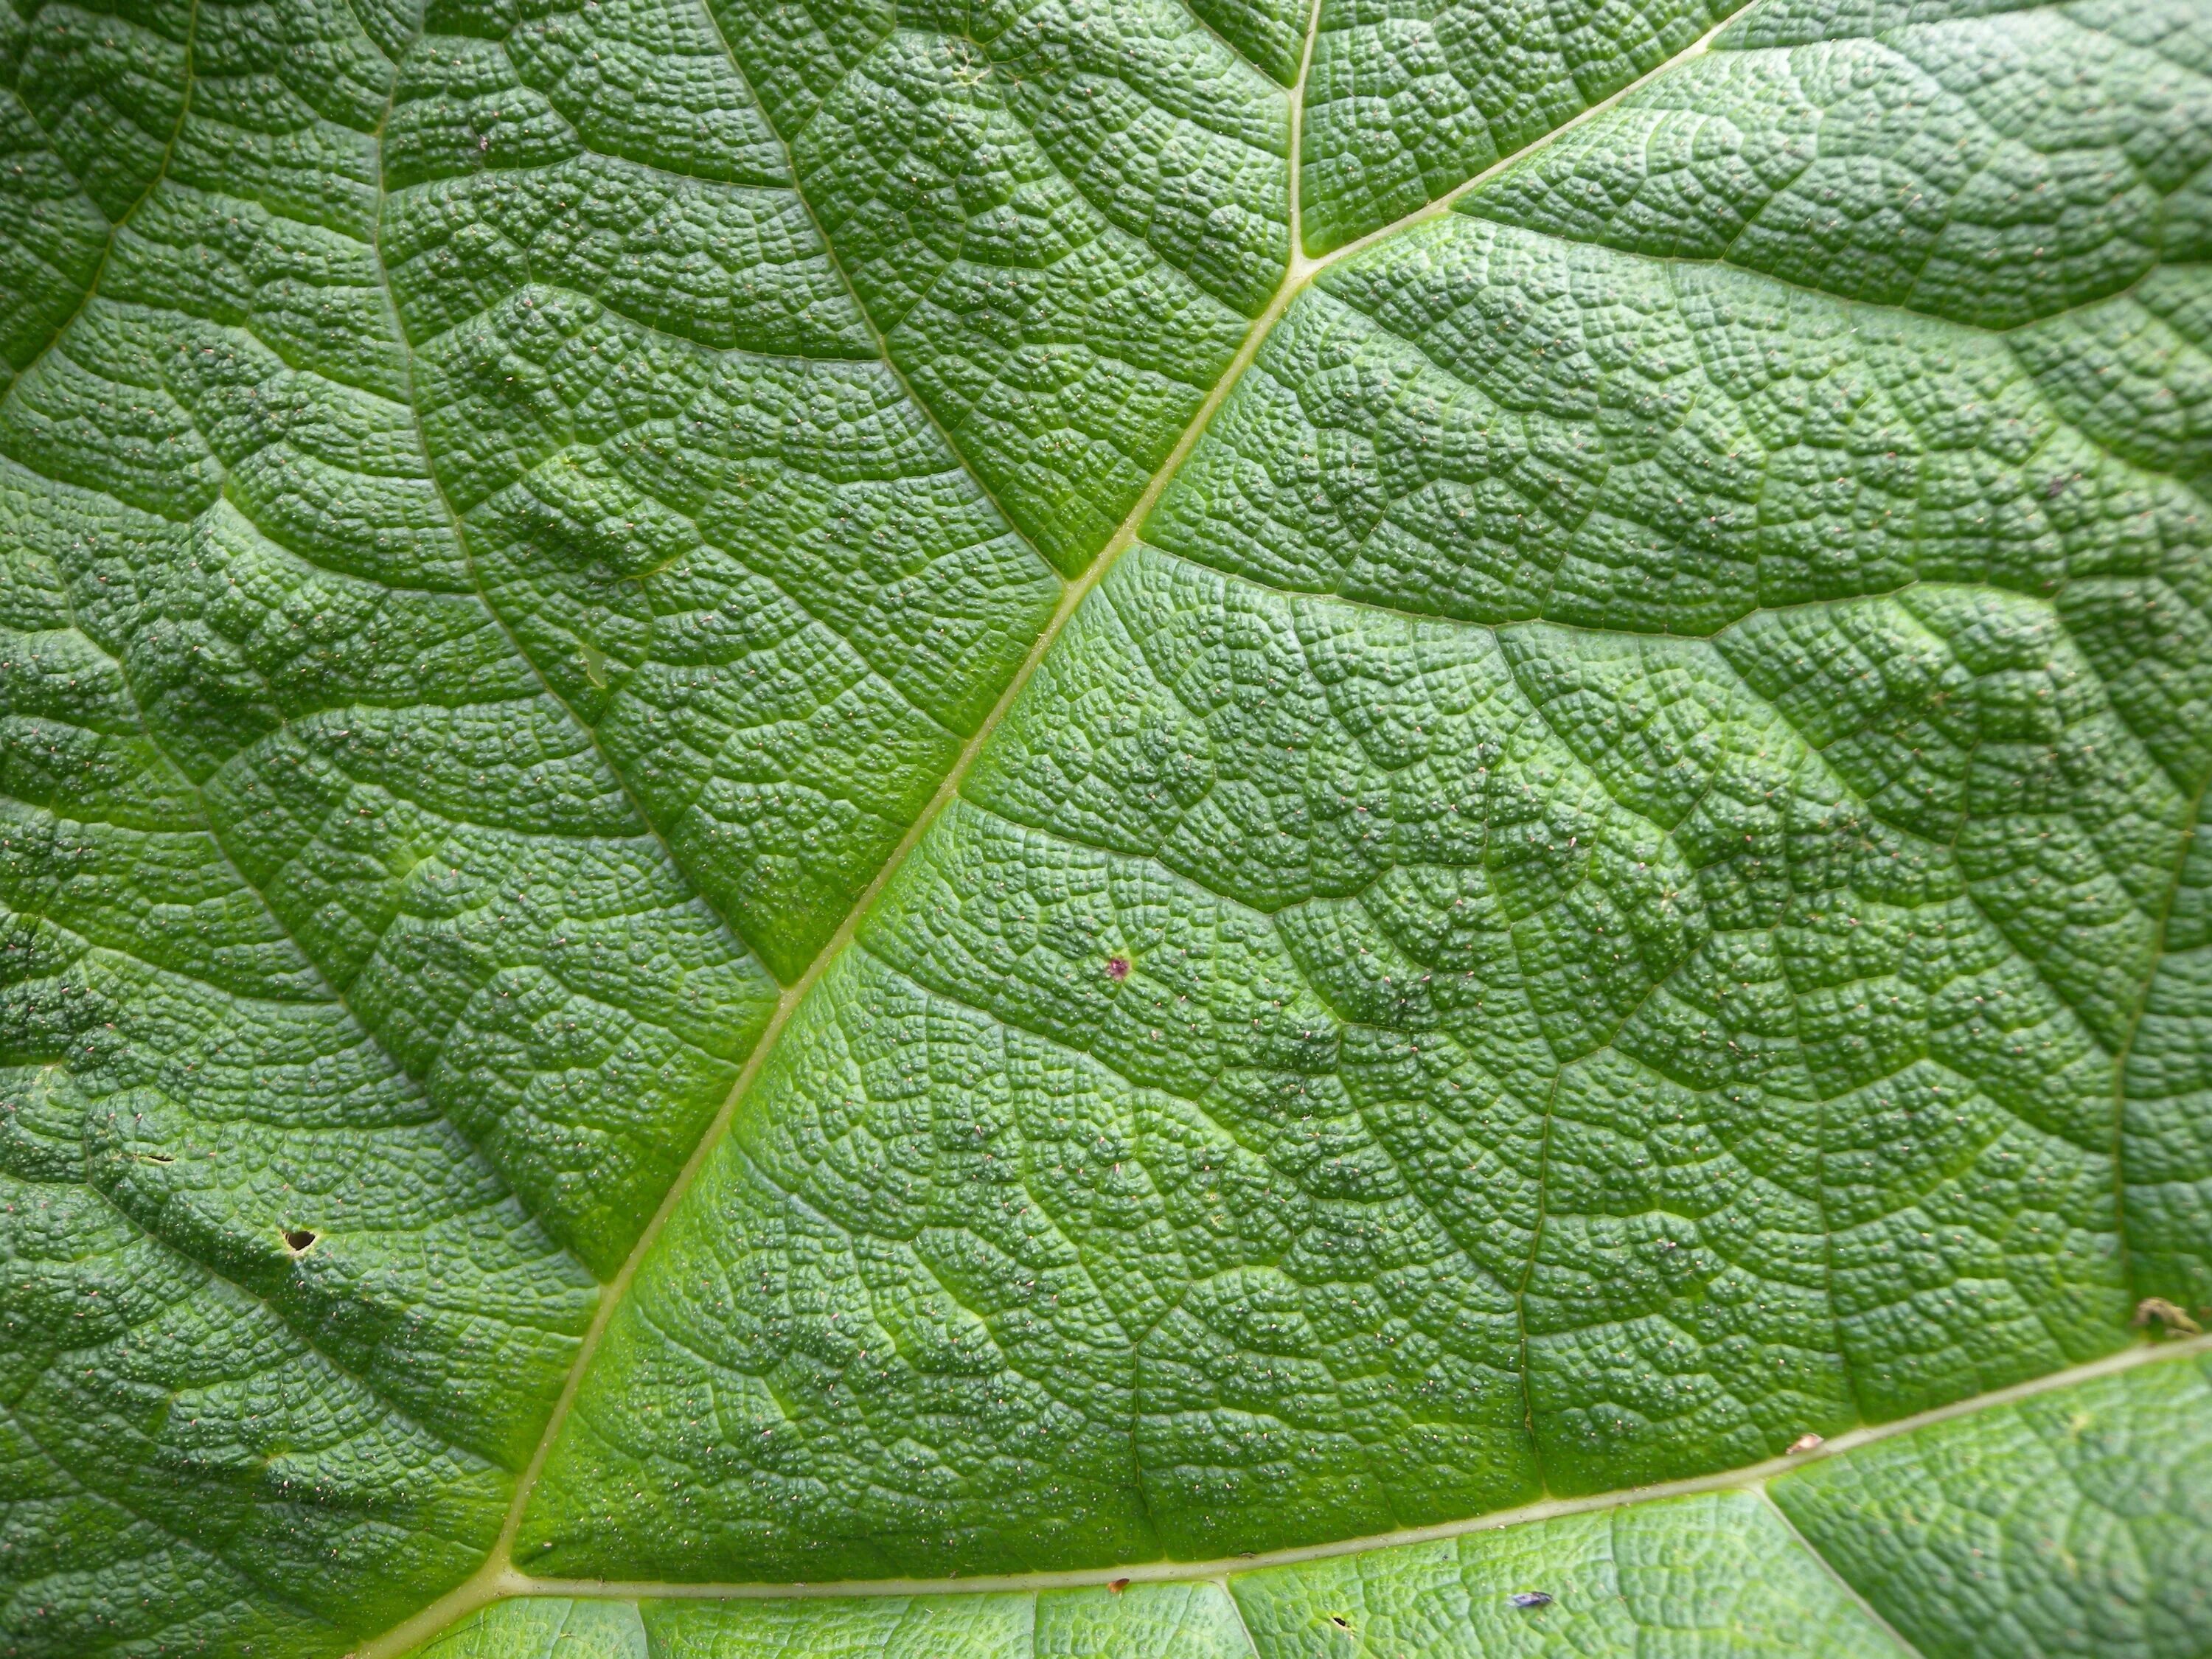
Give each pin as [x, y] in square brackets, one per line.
[2066, 1523]
[776, 804]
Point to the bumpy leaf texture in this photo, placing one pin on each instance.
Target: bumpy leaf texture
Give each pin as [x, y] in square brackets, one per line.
[1211, 805]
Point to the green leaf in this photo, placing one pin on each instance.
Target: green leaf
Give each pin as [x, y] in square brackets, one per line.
[2068, 1523]
[1408, 101]
[1193, 1619]
[787, 795]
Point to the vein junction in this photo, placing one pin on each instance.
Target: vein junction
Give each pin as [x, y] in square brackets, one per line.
[516, 532]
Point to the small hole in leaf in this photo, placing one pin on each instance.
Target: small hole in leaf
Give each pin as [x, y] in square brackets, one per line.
[155, 1157]
[296, 1239]
[1339, 1621]
[1117, 968]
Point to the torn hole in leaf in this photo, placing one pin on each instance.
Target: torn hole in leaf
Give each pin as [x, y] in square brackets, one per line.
[1339, 1621]
[297, 1239]
[155, 1157]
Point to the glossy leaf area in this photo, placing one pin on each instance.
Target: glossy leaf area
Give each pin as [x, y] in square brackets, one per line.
[773, 806]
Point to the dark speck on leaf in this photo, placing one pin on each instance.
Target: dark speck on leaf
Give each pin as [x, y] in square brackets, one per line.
[1117, 968]
[1531, 1598]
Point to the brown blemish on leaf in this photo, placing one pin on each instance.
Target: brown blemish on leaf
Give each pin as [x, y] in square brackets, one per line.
[2173, 1320]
